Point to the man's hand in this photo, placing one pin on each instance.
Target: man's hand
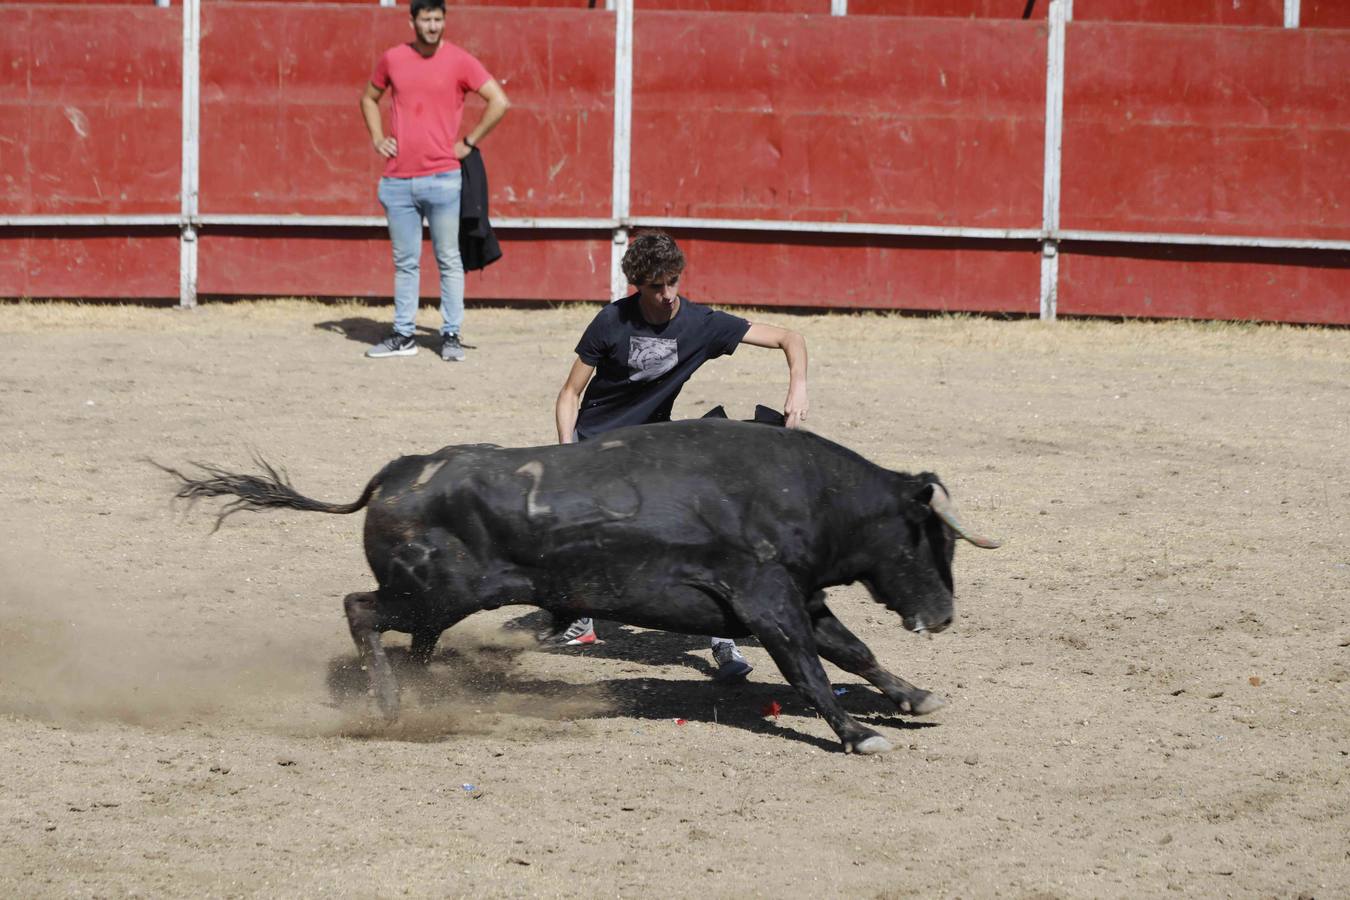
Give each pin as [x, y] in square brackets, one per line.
[387, 147]
[462, 150]
[794, 409]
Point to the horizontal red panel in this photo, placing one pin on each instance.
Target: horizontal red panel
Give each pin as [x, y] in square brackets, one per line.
[554, 265]
[924, 121]
[1207, 130]
[1324, 14]
[969, 9]
[88, 262]
[282, 131]
[1206, 283]
[90, 110]
[1179, 12]
[852, 272]
[754, 6]
[403, 4]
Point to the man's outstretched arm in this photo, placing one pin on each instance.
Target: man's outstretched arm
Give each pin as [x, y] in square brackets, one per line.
[793, 346]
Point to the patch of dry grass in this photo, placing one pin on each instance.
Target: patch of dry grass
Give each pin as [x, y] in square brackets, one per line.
[1025, 336]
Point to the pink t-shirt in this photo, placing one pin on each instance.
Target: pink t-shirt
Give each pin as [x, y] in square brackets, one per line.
[428, 95]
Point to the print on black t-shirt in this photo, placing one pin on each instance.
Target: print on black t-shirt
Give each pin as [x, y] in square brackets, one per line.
[651, 357]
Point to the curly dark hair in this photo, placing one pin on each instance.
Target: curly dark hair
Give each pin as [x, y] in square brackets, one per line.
[430, 5]
[651, 255]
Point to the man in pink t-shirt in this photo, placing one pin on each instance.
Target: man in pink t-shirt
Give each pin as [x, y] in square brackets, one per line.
[427, 80]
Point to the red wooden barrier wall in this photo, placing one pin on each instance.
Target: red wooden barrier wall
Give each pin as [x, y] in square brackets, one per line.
[1225, 131]
[1214, 131]
[922, 121]
[282, 133]
[90, 123]
[933, 120]
[90, 107]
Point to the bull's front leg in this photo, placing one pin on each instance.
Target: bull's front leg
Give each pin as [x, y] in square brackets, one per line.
[775, 611]
[423, 645]
[364, 621]
[843, 648]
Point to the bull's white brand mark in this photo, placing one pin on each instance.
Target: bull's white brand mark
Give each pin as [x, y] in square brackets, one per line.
[535, 471]
[612, 445]
[428, 472]
[651, 357]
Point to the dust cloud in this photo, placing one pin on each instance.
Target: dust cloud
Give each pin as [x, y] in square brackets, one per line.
[70, 657]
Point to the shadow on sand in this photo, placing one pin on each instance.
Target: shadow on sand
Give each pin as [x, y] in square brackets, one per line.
[365, 331]
[466, 678]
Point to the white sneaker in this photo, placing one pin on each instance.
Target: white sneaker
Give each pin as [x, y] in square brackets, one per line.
[731, 665]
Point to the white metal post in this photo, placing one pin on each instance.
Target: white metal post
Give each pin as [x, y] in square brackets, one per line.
[1054, 130]
[838, 7]
[1291, 13]
[187, 243]
[623, 140]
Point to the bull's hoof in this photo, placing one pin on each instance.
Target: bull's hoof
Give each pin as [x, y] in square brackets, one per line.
[869, 746]
[921, 704]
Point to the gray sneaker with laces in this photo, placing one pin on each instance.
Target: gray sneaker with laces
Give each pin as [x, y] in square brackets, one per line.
[394, 345]
[451, 349]
[580, 632]
[731, 665]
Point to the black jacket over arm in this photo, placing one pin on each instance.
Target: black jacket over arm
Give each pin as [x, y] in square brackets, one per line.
[478, 246]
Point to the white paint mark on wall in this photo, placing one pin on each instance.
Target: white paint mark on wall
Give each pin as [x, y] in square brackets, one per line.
[78, 120]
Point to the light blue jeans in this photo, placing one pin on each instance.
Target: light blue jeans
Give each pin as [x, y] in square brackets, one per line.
[406, 201]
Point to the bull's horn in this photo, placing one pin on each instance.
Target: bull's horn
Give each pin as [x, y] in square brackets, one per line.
[942, 505]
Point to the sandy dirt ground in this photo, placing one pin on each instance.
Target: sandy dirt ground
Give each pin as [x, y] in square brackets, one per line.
[1147, 683]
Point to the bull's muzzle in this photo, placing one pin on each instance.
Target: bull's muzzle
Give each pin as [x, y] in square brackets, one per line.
[919, 625]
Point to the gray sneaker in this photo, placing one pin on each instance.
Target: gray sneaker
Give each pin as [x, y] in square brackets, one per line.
[394, 345]
[580, 632]
[731, 665]
[451, 349]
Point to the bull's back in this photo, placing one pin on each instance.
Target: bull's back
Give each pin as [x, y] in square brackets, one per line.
[689, 484]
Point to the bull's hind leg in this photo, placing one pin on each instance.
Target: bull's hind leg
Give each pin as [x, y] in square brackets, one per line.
[363, 618]
[843, 648]
[425, 592]
[775, 612]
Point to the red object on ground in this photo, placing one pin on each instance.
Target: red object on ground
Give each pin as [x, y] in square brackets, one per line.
[771, 709]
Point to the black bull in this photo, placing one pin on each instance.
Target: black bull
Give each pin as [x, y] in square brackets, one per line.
[701, 527]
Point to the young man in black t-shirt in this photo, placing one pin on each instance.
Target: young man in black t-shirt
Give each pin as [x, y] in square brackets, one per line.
[636, 355]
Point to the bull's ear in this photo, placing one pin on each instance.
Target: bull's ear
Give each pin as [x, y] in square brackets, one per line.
[941, 505]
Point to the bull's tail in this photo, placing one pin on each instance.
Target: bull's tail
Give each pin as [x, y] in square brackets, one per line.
[256, 493]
